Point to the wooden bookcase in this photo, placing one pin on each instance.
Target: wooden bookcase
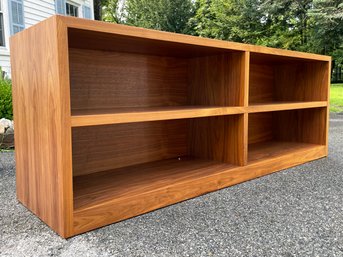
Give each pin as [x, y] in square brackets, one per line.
[115, 121]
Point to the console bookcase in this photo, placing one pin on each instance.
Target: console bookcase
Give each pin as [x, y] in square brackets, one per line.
[115, 121]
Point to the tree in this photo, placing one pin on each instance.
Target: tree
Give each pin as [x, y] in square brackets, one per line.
[234, 20]
[328, 28]
[112, 11]
[285, 23]
[166, 15]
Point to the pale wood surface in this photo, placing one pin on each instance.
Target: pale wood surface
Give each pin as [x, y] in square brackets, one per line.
[42, 123]
[126, 115]
[281, 106]
[139, 179]
[81, 118]
[85, 30]
[269, 149]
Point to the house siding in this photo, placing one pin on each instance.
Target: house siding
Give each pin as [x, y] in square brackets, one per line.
[5, 62]
[34, 12]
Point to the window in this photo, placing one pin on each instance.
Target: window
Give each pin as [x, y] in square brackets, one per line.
[16, 10]
[72, 10]
[86, 12]
[2, 34]
[60, 6]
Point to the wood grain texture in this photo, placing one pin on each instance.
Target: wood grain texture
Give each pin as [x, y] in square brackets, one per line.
[131, 120]
[192, 179]
[302, 82]
[108, 147]
[126, 80]
[138, 179]
[246, 77]
[292, 81]
[260, 127]
[127, 115]
[281, 106]
[165, 42]
[261, 87]
[218, 138]
[217, 80]
[307, 126]
[270, 149]
[42, 120]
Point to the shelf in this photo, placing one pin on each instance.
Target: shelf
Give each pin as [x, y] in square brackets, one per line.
[281, 106]
[270, 149]
[82, 118]
[132, 181]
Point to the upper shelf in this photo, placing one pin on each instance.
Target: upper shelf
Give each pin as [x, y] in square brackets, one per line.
[81, 118]
[280, 106]
[126, 115]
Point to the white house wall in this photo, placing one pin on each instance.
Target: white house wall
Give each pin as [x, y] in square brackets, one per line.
[34, 12]
[37, 10]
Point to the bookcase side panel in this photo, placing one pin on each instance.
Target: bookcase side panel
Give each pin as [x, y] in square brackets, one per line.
[42, 123]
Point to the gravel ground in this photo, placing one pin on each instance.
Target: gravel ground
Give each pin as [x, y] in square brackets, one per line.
[296, 212]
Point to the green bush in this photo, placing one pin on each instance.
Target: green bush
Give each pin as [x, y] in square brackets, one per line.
[6, 110]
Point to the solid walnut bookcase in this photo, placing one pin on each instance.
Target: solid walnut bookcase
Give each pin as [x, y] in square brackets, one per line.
[115, 121]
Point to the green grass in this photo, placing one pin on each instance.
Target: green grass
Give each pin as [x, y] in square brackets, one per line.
[336, 98]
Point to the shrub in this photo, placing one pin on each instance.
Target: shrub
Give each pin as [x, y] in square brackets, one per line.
[6, 110]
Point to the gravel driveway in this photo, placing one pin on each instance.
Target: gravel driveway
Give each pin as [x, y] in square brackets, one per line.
[296, 212]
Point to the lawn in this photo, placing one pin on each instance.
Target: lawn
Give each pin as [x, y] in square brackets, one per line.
[336, 98]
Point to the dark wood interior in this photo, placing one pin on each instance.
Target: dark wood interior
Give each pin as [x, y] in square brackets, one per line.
[134, 80]
[104, 148]
[95, 40]
[274, 79]
[273, 133]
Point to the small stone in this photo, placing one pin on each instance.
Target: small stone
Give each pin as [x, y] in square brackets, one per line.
[9, 131]
[2, 129]
[6, 123]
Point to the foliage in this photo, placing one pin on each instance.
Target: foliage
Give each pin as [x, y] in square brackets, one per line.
[6, 110]
[166, 15]
[336, 98]
[112, 11]
[306, 25]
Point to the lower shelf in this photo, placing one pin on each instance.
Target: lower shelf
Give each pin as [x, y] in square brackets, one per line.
[111, 196]
[97, 188]
[269, 149]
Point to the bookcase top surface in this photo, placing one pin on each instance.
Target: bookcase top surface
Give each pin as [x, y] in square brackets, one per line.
[153, 38]
[149, 34]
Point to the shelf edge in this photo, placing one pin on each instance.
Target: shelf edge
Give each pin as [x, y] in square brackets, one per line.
[253, 108]
[131, 117]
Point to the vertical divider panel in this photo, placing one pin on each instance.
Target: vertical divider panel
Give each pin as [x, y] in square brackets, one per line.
[246, 72]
